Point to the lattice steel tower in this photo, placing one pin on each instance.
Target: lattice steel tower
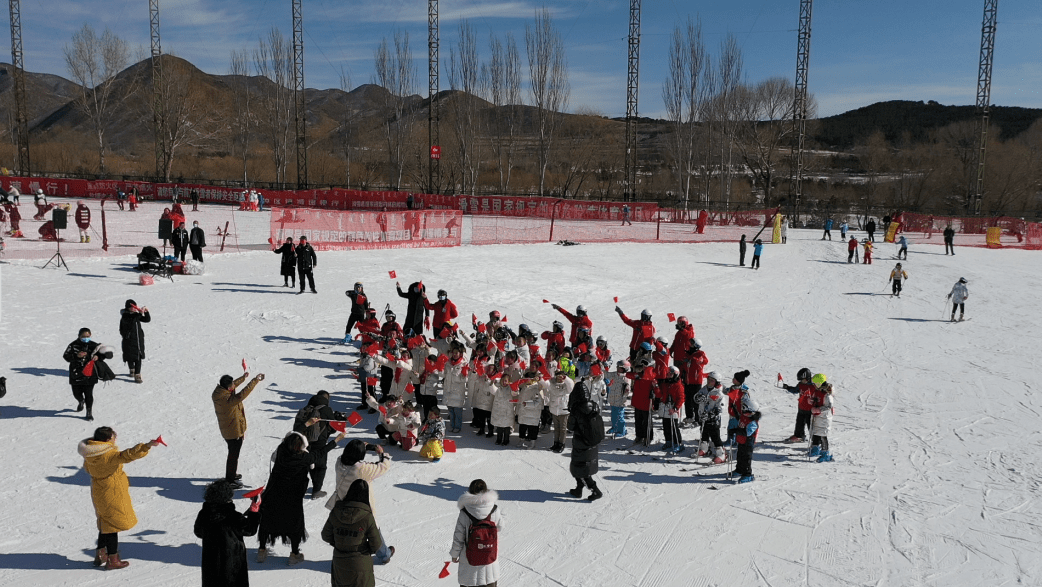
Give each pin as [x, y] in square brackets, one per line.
[799, 105]
[21, 117]
[433, 112]
[632, 87]
[299, 104]
[158, 100]
[987, 54]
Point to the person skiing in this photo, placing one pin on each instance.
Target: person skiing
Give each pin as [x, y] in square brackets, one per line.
[359, 308]
[578, 320]
[745, 417]
[196, 241]
[417, 312]
[710, 400]
[83, 221]
[221, 529]
[231, 419]
[130, 321]
[587, 432]
[949, 239]
[896, 276]
[821, 421]
[643, 329]
[902, 253]
[757, 251]
[741, 251]
[306, 263]
[669, 401]
[110, 491]
[828, 229]
[805, 390]
[852, 250]
[79, 354]
[958, 297]
[626, 215]
[643, 377]
[476, 505]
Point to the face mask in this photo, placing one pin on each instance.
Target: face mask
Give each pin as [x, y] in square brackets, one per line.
[195, 225]
[85, 339]
[442, 298]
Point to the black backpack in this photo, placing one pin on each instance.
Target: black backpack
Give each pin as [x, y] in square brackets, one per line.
[3, 386]
[313, 432]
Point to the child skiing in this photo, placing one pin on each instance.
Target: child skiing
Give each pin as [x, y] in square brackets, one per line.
[821, 422]
[958, 297]
[710, 401]
[806, 403]
[896, 276]
[743, 426]
[852, 250]
[902, 253]
[669, 401]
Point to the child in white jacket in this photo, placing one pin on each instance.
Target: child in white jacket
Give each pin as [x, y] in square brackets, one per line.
[454, 387]
[531, 400]
[618, 393]
[503, 410]
[482, 394]
[821, 419]
[408, 426]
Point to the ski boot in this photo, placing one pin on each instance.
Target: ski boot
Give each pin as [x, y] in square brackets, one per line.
[703, 448]
[678, 448]
[747, 479]
[826, 457]
[815, 450]
[720, 458]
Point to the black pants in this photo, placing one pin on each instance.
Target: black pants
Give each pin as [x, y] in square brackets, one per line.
[318, 475]
[711, 432]
[386, 379]
[427, 402]
[545, 417]
[641, 423]
[960, 307]
[741, 258]
[822, 441]
[179, 252]
[197, 252]
[850, 255]
[690, 389]
[756, 261]
[134, 365]
[671, 430]
[528, 432]
[828, 233]
[483, 419]
[896, 289]
[110, 542]
[84, 393]
[949, 245]
[503, 435]
[382, 431]
[232, 466]
[363, 382]
[802, 423]
[902, 253]
[744, 466]
[310, 277]
[351, 321]
[872, 236]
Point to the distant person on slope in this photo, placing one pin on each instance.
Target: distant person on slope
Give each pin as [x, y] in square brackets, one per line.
[852, 250]
[821, 421]
[741, 251]
[902, 253]
[949, 239]
[896, 276]
[958, 297]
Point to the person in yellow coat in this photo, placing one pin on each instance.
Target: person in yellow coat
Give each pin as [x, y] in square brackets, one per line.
[110, 491]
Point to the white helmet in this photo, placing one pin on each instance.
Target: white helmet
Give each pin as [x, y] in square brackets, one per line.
[39, 191]
[696, 343]
[714, 375]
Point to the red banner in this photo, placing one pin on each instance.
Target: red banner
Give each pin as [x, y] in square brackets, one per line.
[331, 230]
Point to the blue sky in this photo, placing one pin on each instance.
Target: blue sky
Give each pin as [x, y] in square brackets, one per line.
[861, 51]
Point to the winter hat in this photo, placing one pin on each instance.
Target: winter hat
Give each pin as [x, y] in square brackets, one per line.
[226, 380]
[130, 304]
[353, 452]
[741, 375]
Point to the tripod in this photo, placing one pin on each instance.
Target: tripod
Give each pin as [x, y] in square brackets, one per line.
[57, 259]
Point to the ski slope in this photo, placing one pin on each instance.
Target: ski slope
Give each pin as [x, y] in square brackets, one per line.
[936, 435]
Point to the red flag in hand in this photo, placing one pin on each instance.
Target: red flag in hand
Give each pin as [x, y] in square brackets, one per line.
[616, 298]
[449, 445]
[160, 440]
[445, 570]
[482, 328]
[504, 319]
[546, 301]
[372, 381]
[341, 426]
[383, 410]
[255, 507]
[439, 365]
[409, 388]
[354, 419]
[392, 274]
[372, 349]
[672, 317]
[254, 493]
[244, 369]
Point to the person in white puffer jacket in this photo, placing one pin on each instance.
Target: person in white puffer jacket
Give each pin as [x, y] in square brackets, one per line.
[482, 393]
[478, 503]
[404, 376]
[531, 399]
[454, 387]
[821, 419]
[503, 409]
[558, 390]
[958, 297]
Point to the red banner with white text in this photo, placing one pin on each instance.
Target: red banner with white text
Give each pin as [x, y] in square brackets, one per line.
[334, 230]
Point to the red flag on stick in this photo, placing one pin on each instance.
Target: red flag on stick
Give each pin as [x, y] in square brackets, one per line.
[383, 410]
[339, 425]
[445, 570]
[672, 317]
[595, 369]
[254, 493]
[546, 301]
[244, 369]
[353, 419]
[392, 274]
[449, 445]
[160, 440]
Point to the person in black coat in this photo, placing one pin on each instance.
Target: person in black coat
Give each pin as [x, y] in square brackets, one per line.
[417, 311]
[196, 241]
[870, 228]
[289, 263]
[359, 308]
[133, 336]
[320, 401]
[282, 503]
[221, 528]
[741, 251]
[306, 262]
[78, 354]
[587, 432]
[179, 239]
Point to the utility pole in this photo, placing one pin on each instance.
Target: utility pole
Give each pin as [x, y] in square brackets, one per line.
[632, 86]
[158, 100]
[799, 106]
[299, 104]
[433, 113]
[21, 118]
[987, 55]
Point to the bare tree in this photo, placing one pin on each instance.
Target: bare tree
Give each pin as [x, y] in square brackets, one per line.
[273, 60]
[396, 73]
[240, 67]
[463, 79]
[684, 95]
[94, 63]
[185, 111]
[762, 112]
[548, 74]
[729, 79]
[346, 128]
[501, 85]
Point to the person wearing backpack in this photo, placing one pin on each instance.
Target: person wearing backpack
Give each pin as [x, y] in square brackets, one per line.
[475, 542]
[317, 435]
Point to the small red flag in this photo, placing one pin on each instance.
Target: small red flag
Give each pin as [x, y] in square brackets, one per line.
[522, 365]
[372, 349]
[482, 328]
[409, 388]
[672, 317]
[383, 410]
[582, 348]
[473, 318]
[392, 274]
[616, 298]
[254, 493]
[449, 445]
[546, 301]
[244, 369]
[341, 426]
[445, 570]
[465, 370]
[440, 363]
[160, 440]
[491, 348]
[504, 319]
[354, 419]
[371, 381]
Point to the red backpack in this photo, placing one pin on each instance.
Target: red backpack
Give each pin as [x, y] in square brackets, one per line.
[482, 540]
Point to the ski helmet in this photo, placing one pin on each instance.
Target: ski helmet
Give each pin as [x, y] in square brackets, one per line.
[601, 339]
[696, 344]
[674, 373]
[580, 310]
[819, 379]
[524, 330]
[803, 373]
[494, 315]
[442, 293]
[623, 365]
[646, 346]
[645, 314]
[898, 264]
[682, 323]
[558, 325]
[962, 280]
[389, 315]
[662, 340]
[749, 404]
[759, 241]
[714, 376]
[358, 285]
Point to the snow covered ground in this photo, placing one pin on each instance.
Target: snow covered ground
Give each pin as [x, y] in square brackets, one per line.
[936, 435]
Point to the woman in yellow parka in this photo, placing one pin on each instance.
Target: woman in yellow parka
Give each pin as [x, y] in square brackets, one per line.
[110, 491]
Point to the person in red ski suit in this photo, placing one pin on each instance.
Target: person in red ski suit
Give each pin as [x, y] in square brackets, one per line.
[806, 390]
[694, 369]
[444, 311]
[669, 392]
[643, 376]
[554, 338]
[578, 320]
[643, 329]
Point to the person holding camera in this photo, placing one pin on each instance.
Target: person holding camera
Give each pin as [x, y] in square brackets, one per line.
[79, 354]
[352, 466]
[133, 336]
[231, 418]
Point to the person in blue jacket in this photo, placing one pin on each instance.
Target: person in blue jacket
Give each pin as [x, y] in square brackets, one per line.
[757, 250]
[902, 253]
[828, 229]
[843, 230]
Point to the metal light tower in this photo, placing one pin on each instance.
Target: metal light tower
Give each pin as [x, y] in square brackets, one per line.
[799, 104]
[299, 105]
[987, 54]
[158, 102]
[632, 85]
[433, 113]
[21, 118]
